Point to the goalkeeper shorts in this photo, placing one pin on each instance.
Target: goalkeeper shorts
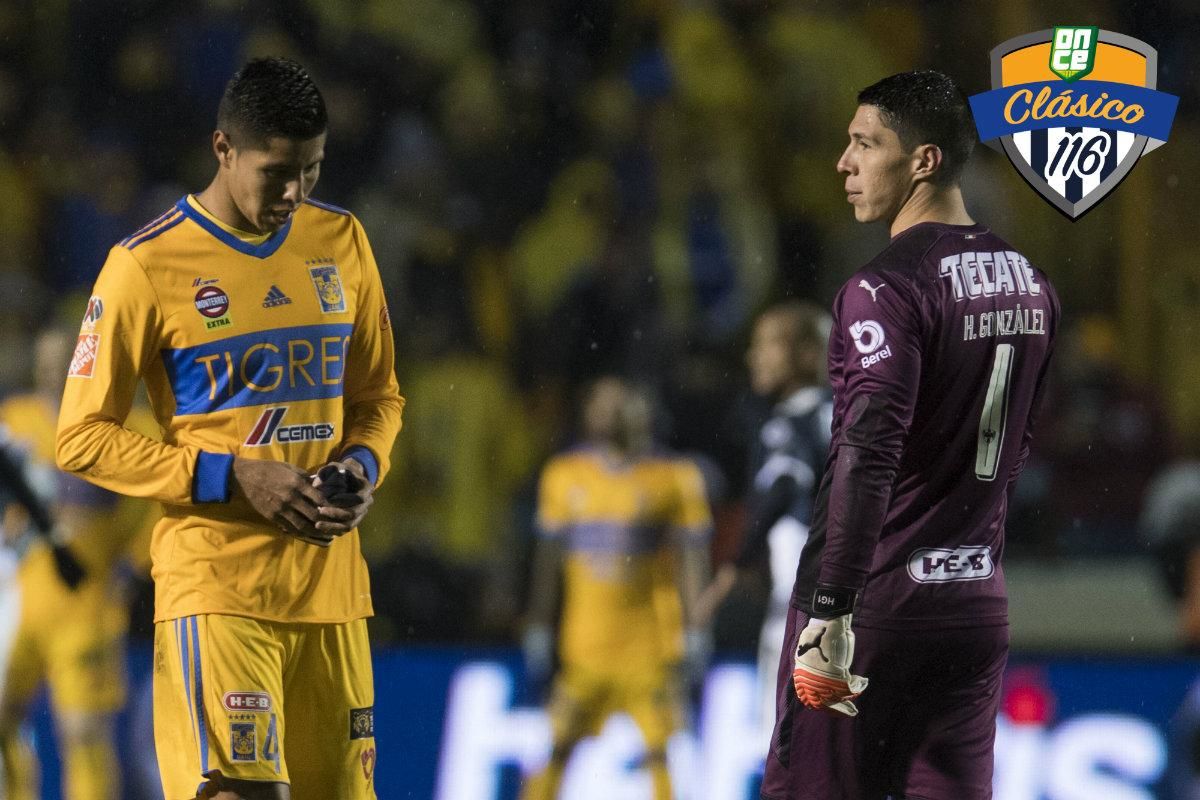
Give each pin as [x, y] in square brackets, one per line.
[222, 685]
[925, 728]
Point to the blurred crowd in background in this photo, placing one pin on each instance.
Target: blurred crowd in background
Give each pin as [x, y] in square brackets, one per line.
[558, 189]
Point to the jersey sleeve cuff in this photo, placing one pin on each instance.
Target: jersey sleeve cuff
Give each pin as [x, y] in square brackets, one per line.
[365, 457]
[211, 484]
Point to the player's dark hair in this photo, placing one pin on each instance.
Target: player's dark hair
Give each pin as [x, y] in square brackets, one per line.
[272, 97]
[926, 107]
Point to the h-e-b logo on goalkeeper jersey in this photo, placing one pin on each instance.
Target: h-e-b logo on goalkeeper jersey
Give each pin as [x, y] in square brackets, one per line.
[941, 565]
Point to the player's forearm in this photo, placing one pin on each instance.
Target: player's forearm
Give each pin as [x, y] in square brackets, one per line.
[129, 463]
[373, 422]
[858, 502]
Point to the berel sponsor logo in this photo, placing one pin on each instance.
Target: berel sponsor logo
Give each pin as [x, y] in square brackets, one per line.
[940, 565]
[875, 358]
[247, 701]
[868, 336]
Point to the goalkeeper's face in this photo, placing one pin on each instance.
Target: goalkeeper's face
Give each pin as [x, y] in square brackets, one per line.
[879, 171]
[269, 180]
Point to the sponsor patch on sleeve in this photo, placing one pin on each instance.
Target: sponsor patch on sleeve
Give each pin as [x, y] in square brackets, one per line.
[83, 362]
[362, 723]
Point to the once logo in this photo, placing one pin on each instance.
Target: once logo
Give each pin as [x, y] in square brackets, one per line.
[868, 336]
[939, 565]
[247, 701]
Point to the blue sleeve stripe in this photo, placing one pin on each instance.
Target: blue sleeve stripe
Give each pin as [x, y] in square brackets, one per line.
[210, 484]
[145, 237]
[328, 207]
[149, 225]
[203, 731]
[365, 457]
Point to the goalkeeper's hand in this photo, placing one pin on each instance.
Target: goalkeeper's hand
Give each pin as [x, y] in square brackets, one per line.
[822, 676]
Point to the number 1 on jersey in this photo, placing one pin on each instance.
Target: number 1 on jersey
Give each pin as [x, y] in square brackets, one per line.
[995, 412]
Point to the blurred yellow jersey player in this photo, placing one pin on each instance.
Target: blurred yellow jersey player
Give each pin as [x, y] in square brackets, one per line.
[72, 639]
[625, 529]
[257, 321]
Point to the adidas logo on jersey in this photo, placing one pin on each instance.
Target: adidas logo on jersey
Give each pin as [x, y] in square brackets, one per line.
[275, 297]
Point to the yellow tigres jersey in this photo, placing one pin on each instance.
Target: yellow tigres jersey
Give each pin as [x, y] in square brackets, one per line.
[619, 524]
[278, 349]
[103, 526]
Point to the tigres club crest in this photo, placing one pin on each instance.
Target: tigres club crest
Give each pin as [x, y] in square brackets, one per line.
[329, 288]
[243, 742]
[1074, 108]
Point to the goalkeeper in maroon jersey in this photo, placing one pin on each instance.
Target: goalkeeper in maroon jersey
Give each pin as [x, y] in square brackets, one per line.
[897, 634]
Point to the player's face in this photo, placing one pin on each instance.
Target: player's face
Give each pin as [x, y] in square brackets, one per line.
[269, 181]
[602, 414]
[771, 359]
[878, 170]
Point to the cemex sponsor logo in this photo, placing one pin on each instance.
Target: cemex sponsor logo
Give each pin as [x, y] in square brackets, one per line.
[268, 430]
[247, 701]
[939, 565]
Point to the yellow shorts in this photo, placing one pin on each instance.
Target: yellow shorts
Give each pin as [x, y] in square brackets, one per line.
[264, 701]
[582, 700]
[73, 640]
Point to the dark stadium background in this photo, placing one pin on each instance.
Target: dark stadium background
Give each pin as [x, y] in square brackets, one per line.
[560, 189]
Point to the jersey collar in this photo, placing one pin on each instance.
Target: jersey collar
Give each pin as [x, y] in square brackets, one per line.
[266, 248]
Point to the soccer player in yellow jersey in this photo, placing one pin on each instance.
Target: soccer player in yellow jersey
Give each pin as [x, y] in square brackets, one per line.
[625, 529]
[74, 639]
[256, 318]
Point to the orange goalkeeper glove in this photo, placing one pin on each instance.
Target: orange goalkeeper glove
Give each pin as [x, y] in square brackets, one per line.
[824, 651]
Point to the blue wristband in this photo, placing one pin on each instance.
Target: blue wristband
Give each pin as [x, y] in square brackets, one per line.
[210, 483]
[365, 457]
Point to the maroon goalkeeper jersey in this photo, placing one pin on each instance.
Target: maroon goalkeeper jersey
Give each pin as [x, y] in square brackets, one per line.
[937, 359]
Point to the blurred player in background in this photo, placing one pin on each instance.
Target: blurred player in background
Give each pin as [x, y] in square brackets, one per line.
[256, 318]
[72, 639]
[625, 528]
[937, 359]
[25, 511]
[787, 366]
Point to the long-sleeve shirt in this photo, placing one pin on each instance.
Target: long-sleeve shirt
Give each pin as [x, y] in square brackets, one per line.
[937, 359]
[277, 349]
